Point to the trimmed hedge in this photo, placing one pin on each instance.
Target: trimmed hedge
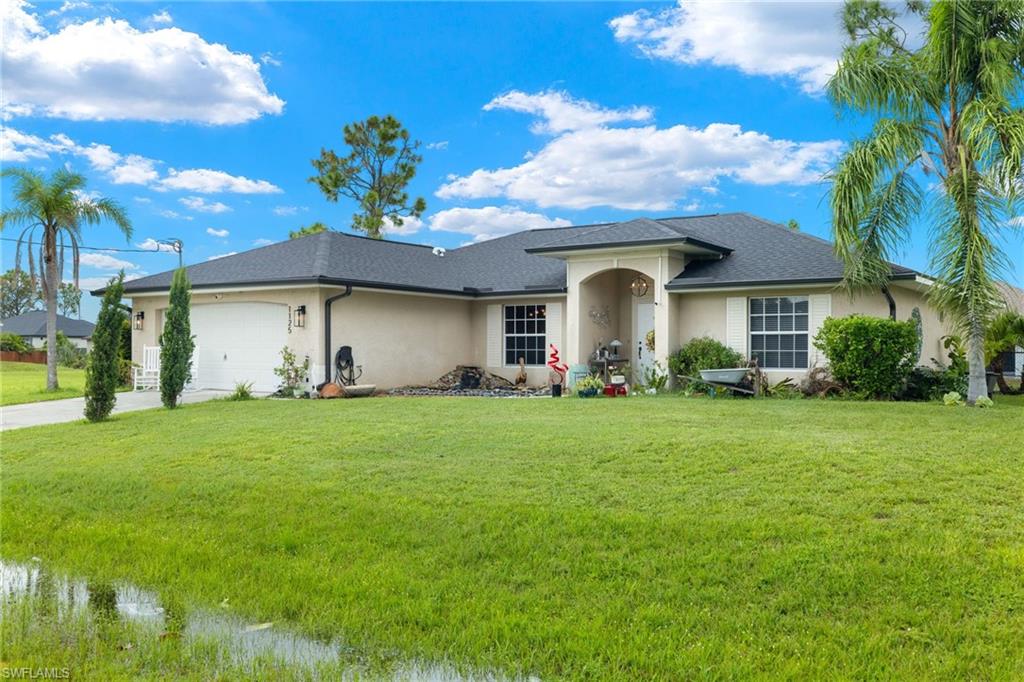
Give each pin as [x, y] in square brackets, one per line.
[872, 357]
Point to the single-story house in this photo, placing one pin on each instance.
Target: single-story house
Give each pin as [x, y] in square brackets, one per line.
[31, 326]
[411, 313]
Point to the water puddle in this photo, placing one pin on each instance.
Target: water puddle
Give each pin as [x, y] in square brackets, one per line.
[244, 642]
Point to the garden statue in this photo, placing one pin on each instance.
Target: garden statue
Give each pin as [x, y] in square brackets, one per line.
[521, 374]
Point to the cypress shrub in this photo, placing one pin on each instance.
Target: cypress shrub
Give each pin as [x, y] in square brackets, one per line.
[176, 342]
[102, 371]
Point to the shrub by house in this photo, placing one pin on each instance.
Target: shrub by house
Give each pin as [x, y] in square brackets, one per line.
[871, 357]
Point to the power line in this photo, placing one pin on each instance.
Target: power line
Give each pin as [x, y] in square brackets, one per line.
[99, 248]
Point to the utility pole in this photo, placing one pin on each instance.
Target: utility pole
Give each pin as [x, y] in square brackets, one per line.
[176, 245]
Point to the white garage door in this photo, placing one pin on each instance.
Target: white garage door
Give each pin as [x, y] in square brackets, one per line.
[239, 342]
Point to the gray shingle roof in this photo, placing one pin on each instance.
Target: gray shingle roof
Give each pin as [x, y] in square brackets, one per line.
[636, 232]
[33, 323]
[763, 252]
[752, 251]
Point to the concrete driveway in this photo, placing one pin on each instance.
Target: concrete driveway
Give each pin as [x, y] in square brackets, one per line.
[72, 409]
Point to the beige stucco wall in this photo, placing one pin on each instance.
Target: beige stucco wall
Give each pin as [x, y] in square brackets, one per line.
[703, 314]
[402, 339]
[478, 334]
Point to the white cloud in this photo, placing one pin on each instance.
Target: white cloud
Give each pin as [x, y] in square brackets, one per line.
[16, 146]
[800, 40]
[99, 282]
[410, 225]
[104, 261]
[217, 233]
[200, 204]
[645, 168]
[161, 17]
[174, 215]
[222, 255]
[143, 200]
[491, 221]
[106, 69]
[262, 242]
[270, 59]
[150, 244]
[1016, 221]
[440, 145]
[207, 181]
[559, 112]
[68, 6]
[286, 210]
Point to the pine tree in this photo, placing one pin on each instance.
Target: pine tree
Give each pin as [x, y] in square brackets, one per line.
[102, 370]
[176, 342]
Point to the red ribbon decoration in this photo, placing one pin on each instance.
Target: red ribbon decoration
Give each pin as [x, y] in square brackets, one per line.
[555, 362]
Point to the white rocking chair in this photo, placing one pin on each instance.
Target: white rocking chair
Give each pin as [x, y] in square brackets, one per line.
[148, 375]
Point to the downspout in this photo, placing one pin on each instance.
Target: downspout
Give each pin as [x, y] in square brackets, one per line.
[327, 332]
[892, 302]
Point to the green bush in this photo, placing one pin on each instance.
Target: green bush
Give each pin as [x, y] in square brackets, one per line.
[702, 353]
[13, 342]
[952, 399]
[243, 391]
[102, 374]
[176, 342]
[871, 356]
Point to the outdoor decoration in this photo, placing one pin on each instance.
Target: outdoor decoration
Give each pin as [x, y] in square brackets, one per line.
[649, 341]
[558, 370]
[638, 287]
[521, 374]
[600, 316]
[556, 364]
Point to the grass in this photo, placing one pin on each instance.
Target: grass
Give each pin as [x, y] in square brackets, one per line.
[25, 382]
[606, 539]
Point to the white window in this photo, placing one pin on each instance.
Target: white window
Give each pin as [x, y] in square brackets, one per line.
[778, 332]
[525, 334]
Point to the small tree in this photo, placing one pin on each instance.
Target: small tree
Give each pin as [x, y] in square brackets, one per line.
[102, 373]
[18, 294]
[69, 299]
[381, 162]
[176, 342]
[315, 228]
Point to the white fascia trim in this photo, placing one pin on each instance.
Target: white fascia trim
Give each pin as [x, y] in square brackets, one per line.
[752, 287]
[339, 287]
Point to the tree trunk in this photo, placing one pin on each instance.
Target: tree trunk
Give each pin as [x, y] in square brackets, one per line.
[52, 278]
[977, 387]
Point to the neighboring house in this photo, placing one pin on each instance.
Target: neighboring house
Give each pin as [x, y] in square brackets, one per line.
[31, 326]
[413, 313]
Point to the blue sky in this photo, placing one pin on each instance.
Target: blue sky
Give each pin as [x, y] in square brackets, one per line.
[202, 118]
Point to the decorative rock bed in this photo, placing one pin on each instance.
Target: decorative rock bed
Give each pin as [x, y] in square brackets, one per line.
[530, 392]
[470, 381]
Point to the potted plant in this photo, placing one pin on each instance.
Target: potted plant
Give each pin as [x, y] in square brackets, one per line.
[589, 386]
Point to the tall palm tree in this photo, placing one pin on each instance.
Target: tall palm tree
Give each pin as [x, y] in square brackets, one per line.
[947, 108]
[50, 214]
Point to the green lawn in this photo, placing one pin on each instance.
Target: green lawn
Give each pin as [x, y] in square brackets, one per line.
[25, 382]
[664, 538]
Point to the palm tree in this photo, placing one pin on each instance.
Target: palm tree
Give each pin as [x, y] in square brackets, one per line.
[50, 215]
[945, 109]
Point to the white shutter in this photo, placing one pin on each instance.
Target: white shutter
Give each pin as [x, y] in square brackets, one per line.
[494, 336]
[554, 329]
[820, 306]
[736, 324]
